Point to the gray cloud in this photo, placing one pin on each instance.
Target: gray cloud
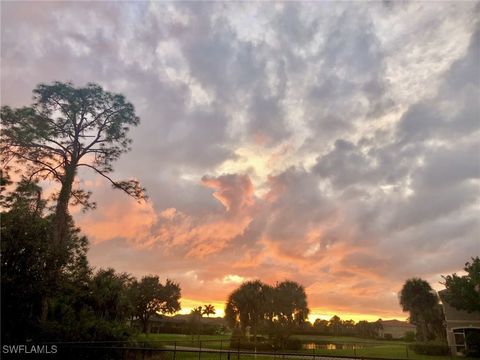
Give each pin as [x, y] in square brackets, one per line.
[362, 135]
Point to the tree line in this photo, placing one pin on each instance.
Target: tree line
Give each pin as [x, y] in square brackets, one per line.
[83, 304]
[49, 291]
[338, 327]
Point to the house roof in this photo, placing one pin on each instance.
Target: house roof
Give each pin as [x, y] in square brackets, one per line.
[397, 323]
[453, 314]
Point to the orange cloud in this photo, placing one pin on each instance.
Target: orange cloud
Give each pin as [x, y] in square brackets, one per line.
[235, 192]
[210, 234]
[117, 216]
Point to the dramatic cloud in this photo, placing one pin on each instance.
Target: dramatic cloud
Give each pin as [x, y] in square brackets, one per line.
[335, 144]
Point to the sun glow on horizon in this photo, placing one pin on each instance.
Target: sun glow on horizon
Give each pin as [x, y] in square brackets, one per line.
[316, 313]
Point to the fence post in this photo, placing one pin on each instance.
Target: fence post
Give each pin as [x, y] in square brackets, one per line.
[354, 351]
[406, 349]
[238, 350]
[314, 350]
[221, 349]
[175, 350]
[200, 350]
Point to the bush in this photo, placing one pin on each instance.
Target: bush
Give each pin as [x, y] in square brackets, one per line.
[293, 344]
[243, 344]
[409, 336]
[430, 348]
[472, 338]
[388, 337]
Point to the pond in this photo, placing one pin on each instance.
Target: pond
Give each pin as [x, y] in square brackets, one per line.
[331, 346]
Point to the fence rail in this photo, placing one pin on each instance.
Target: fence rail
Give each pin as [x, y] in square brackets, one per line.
[177, 353]
[219, 349]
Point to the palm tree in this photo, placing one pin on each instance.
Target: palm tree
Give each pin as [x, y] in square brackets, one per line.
[195, 321]
[418, 298]
[290, 310]
[336, 324]
[246, 306]
[291, 302]
[208, 309]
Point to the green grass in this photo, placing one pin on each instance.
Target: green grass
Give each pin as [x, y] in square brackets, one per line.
[194, 356]
[344, 340]
[179, 337]
[205, 341]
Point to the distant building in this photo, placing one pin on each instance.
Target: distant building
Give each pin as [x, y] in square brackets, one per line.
[395, 329]
[459, 324]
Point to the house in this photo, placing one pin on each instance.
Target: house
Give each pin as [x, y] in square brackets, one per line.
[395, 329]
[459, 325]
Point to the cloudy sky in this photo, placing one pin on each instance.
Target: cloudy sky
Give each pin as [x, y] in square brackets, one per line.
[334, 144]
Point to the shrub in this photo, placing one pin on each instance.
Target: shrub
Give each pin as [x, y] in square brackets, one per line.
[472, 338]
[293, 344]
[430, 348]
[388, 337]
[409, 336]
[243, 344]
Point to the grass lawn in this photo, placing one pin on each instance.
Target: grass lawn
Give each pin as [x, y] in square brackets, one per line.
[204, 341]
[179, 337]
[343, 339]
[371, 348]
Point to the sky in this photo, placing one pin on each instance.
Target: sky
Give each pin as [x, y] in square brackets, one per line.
[333, 144]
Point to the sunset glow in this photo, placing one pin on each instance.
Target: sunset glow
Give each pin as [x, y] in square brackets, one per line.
[334, 144]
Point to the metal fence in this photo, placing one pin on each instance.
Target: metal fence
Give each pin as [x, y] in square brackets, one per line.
[214, 349]
[84, 352]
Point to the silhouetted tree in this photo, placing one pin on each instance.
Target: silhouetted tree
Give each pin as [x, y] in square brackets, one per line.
[418, 298]
[109, 294]
[367, 329]
[335, 323]
[276, 310]
[208, 310]
[290, 310]
[26, 250]
[247, 306]
[291, 302]
[348, 327]
[64, 129]
[150, 297]
[195, 320]
[463, 292]
[321, 325]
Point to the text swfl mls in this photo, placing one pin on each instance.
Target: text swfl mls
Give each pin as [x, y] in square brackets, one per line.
[29, 349]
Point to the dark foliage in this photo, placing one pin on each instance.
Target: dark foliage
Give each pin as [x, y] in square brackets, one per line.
[472, 339]
[463, 292]
[430, 348]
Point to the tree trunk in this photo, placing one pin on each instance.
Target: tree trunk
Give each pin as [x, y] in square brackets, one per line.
[44, 309]
[422, 328]
[60, 225]
[59, 235]
[145, 325]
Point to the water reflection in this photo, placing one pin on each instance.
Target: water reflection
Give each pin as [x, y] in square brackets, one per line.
[331, 346]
